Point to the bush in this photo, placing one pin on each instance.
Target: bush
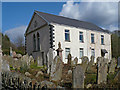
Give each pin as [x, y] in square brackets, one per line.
[24, 68]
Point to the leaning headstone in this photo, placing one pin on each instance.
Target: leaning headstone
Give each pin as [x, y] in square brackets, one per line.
[112, 65]
[50, 59]
[56, 69]
[118, 62]
[78, 77]
[102, 69]
[79, 73]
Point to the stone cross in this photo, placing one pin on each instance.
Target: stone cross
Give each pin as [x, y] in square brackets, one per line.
[11, 53]
[59, 50]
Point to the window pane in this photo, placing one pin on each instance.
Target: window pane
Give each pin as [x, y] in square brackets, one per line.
[34, 42]
[92, 52]
[92, 38]
[102, 39]
[81, 52]
[67, 37]
[81, 36]
[67, 51]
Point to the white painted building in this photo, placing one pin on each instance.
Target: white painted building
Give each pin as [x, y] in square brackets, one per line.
[79, 38]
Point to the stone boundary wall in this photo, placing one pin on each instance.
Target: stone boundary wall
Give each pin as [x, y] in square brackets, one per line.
[12, 80]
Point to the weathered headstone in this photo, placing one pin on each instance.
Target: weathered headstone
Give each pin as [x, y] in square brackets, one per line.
[56, 69]
[79, 73]
[31, 59]
[90, 63]
[69, 59]
[5, 66]
[50, 59]
[85, 62]
[39, 61]
[112, 65]
[74, 62]
[11, 53]
[118, 62]
[78, 77]
[102, 68]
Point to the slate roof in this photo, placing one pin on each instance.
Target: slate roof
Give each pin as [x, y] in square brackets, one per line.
[70, 22]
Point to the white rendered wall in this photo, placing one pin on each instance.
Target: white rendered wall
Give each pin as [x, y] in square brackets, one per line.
[75, 44]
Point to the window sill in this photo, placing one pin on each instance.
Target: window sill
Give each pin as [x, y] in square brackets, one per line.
[81, 41]
[92, 43]
[102, 44]
[67, 41]
[37, 51]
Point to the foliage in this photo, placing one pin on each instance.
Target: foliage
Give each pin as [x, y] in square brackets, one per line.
[90, 79]
[24, 68]
[115, 44]
[6, 44]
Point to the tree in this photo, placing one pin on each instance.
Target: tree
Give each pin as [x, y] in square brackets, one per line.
[115, 45]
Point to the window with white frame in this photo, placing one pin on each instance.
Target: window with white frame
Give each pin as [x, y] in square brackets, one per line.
[67, 35]
[102, 39]
[93, 52]
[81, 52]
[92, 38]
[67, 51]
[81, 36]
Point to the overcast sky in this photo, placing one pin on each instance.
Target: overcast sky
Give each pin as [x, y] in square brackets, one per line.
[16, 16]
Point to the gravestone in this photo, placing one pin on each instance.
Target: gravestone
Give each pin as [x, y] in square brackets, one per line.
[112, 65]
[79, 73]
[39, 61]
[26, 59]
[56, 69]
[50, 59]
[69, 59]
[5, 66]
[11, 53]
[118, 62]
[102, 68]
[78, 77]
[85, 62]
[74, 62]
[91, 62]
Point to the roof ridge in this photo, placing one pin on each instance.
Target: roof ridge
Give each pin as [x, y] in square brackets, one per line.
[75, 22]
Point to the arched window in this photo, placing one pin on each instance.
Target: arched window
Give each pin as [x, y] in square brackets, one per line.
[38, 41]
[34, 42]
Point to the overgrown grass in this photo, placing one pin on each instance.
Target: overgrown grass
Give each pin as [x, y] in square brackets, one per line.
[35, 66]
[90, 79]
